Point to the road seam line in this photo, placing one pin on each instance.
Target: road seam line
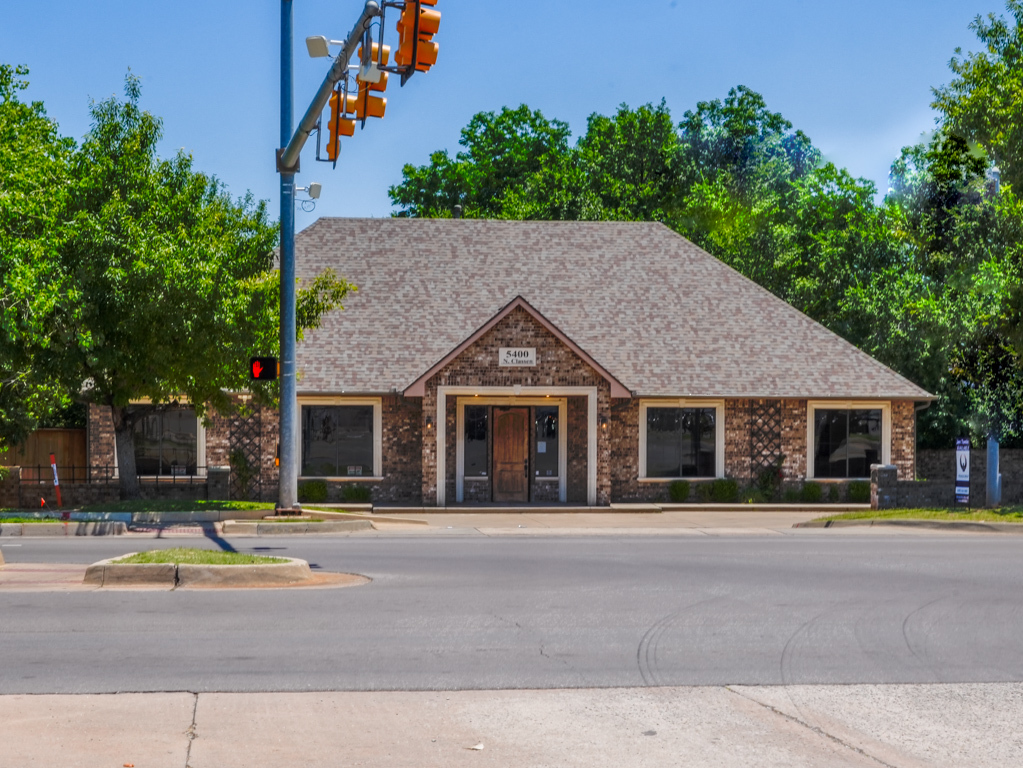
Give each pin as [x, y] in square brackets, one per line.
[816, 729]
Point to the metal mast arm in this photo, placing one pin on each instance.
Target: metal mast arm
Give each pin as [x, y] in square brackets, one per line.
[288, 159]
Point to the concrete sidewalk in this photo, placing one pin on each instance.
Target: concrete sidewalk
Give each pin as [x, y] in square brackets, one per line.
[860, 725]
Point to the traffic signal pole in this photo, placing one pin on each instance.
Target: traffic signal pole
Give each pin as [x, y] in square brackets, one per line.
[287, 497]
[288, 166]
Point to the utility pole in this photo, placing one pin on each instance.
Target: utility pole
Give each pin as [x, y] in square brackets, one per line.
[420, 54]
[287, 498]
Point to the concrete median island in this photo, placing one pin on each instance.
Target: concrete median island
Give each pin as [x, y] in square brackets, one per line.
[209, 569]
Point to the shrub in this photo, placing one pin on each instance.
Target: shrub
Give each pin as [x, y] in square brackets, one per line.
[769, 479]
[356, 494]
[753, 496]
[724, 491]
[811, 493]
[312, 492]
[834, 495]
[859, 492]
[791, 496]
[678, 491]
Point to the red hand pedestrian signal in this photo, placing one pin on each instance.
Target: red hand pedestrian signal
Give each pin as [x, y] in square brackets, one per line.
[263, 368]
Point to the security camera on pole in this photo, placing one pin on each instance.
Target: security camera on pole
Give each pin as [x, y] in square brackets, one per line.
[417, 53]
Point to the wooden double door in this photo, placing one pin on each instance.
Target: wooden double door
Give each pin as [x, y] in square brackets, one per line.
[511, 454]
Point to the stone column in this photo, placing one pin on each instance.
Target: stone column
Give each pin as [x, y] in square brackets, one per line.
[884, 480]
[218, 483]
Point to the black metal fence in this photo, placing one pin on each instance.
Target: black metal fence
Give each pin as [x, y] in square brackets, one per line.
[107, 473]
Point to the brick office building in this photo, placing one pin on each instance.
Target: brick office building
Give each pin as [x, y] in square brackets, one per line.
[556, 362]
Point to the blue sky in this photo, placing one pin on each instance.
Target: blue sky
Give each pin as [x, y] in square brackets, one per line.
[855, 76]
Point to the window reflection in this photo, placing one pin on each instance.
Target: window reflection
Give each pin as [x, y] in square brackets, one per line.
[681, 442]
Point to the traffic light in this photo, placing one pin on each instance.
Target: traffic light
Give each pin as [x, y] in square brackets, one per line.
[416, 27]
[263, 368]
[371, 79]
[338, 125]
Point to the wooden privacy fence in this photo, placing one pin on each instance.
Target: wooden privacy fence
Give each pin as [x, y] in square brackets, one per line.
[67, 445]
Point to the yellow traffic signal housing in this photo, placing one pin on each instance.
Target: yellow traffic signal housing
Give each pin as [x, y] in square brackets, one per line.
[337, 126]
[381, 84]
[365, 104]
[425, 49]
[374, 54]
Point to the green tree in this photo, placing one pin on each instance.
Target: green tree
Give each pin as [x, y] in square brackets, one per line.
[515, 164]
[984, 102]
[33, 184]
[165, 284]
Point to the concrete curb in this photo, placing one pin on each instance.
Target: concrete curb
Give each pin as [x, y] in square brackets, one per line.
[72, 528]
[204, 516]
[936, 525]
[290, 572]
[295, 529]
[107, 573]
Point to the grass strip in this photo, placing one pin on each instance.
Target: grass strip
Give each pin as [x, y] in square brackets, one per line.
[198, 557]
[174, 505]
[999, 515]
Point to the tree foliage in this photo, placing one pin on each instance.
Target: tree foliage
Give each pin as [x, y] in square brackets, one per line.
[33, 184]
[158, 284]
[928, 281]
[984, 102]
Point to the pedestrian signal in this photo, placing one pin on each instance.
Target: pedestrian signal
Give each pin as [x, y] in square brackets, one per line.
[263, 368]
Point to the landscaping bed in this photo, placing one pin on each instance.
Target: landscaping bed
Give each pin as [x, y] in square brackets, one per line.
[180, 555]
[197, 568]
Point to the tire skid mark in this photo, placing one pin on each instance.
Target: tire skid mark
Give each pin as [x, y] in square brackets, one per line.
[647, 650]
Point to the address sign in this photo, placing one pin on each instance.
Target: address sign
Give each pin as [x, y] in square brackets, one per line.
[517, 357]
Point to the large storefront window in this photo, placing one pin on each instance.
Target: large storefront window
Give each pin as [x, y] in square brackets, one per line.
[681, 442]
[166, 440]
[546, 437]
[846, 442]
[337, 441]
[476, 441]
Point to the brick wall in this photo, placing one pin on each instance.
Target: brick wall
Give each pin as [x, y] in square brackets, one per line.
[557, 365]
[577, 450]
[100, 441]
[939, 466]
[904, 438]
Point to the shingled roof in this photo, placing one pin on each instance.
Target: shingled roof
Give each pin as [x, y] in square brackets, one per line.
[659, 314]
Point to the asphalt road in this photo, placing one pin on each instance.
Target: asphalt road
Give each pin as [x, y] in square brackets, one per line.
[456, 612]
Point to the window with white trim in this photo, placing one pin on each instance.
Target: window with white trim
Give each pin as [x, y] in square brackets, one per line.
[166, 440]
[846, 441]
[681, 439]
[339, 440]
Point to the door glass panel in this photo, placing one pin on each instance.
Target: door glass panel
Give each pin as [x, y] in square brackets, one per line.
[546, 441]
[476, 441]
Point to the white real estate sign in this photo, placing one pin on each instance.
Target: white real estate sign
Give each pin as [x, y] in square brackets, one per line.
[962, 471]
